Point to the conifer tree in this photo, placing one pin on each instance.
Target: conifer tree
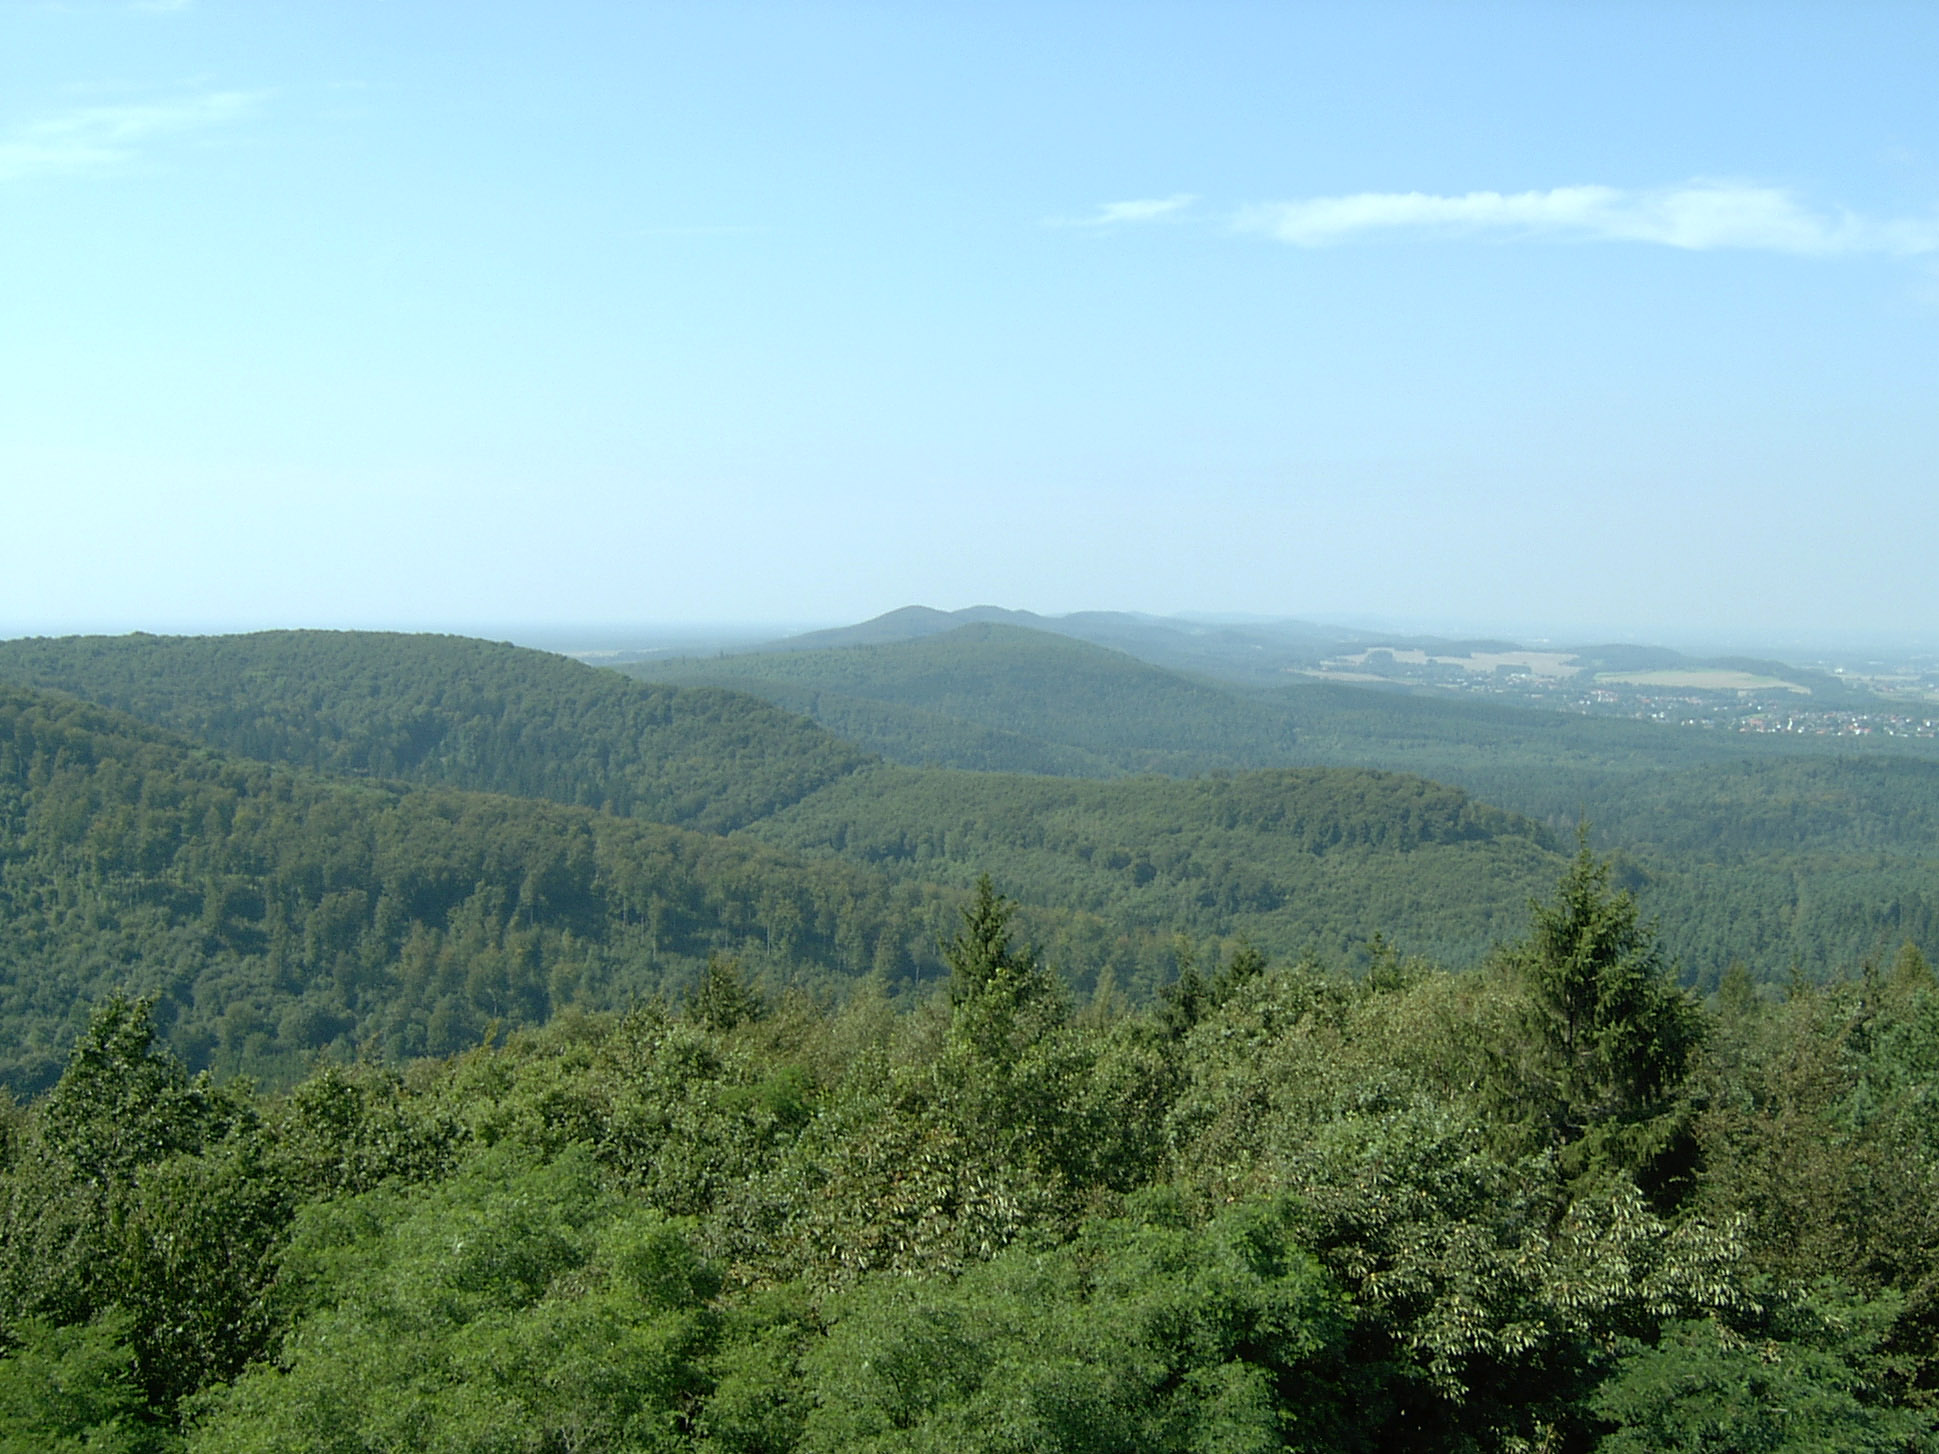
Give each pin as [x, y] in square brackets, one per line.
[1614, 1034]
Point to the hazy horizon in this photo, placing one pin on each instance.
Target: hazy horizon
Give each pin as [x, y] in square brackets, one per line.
[589, 638]
[1559, 319]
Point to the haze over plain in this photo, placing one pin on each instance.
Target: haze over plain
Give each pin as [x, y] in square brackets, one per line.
[1549, 318]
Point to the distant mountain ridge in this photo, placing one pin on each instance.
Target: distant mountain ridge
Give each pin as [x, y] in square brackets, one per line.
[1259, 652]
[995, 695]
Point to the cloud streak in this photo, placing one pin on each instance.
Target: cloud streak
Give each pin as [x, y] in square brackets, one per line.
[99, 138]
[1145, 209]
[1698, 217]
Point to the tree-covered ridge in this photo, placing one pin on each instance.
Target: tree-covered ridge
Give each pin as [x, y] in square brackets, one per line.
[923, 736]
[455, 712]
[1780, 854]
[999, 697]
[1297, 861]
[1088, 710]
[278, 914]
[1252, 654]
[1785, 853]
[281, 913]
[1554, 1203]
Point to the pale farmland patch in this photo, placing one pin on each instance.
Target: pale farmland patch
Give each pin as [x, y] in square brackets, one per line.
[1550, 664]
[1702, 679]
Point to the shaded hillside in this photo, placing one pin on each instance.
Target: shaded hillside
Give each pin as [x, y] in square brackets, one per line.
[992, 697]
[924, 736]
[1296, 861]
[280, 914]
[453, 711]
[1782, 851]
[1771, 850]
[1059, 705]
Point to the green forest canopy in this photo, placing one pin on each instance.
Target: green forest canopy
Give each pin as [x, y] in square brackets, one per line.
[1551, 1203]
[836, 865]
[281, 913]
[778, 1127]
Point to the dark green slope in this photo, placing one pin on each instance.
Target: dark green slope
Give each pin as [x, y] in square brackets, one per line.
[453, 711]
[1059, 704]
[1779, 851]
[522, 722]
[1773, 851]
[1296, 861]
[995, 697]
[926, 737]
[281, 914]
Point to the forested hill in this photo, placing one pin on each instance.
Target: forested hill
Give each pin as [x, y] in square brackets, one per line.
[1780, 854]
[1793, 854]
[990, 696]
[279, 914]
[993, 696]
[996, 697]
[1257, 653]
[1314, 861]
[1140, 1186]
[453, 711]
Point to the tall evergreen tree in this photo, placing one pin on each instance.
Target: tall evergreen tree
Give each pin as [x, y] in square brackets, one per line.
[1615, 1034]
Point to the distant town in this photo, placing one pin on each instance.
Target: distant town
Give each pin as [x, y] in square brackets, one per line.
[1704, 710]
[1820, 699]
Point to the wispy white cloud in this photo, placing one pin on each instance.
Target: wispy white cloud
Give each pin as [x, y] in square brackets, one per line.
[95, 138]
[1699, 216]
[1144, 209]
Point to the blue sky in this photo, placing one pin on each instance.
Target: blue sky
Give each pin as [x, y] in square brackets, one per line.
[1552, 318]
